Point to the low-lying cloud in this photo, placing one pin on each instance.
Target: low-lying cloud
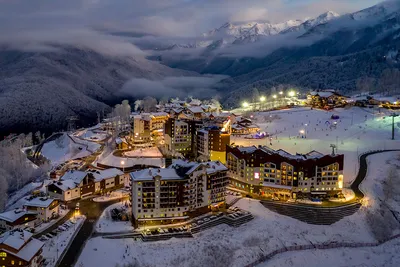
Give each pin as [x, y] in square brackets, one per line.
[200, 87]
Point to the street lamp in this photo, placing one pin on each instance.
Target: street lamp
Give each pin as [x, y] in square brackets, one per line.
[262, 99]
[292, 93]
[245, 104]
[123, 165]
[274, 96]
[281, 93]
[302, 132]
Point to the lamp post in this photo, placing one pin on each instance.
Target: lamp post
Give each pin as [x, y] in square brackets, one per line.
[393, 115]
[245, 105]
[302, 132]
[123, 165]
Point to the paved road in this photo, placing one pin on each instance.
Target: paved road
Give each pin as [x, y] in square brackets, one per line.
[92, 210]
[55, 226]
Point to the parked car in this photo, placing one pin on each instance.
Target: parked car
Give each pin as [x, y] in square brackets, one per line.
[193, 225]
[213, 217]
[206, 219]
[200, 222]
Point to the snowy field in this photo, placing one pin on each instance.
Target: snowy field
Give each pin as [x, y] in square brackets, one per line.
[227, 246]
[91, 135]
[115, 161]
[105, 224]
[55, 246]
[357, 130]
[385, 255]
[17, 199]
[66, 148]
[152, 152]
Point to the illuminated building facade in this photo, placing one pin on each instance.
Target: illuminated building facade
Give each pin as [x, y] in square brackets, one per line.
[261, 170]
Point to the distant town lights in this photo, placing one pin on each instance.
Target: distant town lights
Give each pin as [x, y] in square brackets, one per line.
[245, 104]
[292, 93]
[262, 99]
[274, 96]
[281, 93]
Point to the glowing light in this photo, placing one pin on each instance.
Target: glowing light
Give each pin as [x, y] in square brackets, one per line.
[256, 175]
[245, 104]
[340, 181]
[292, 93]
[281, 93]
[262, 99]
[395, 103]
[302, 131]
[122, 162]
[274, 96]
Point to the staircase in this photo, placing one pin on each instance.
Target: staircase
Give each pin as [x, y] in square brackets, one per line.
[233, 201]
[312, 215]
[223, 220]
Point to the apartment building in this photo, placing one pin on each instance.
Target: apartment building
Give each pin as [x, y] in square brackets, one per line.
[45, 208]
[141, 128]
[174, 194]
[19, 248]
[211, 143]
[179, 135]
[269, 172]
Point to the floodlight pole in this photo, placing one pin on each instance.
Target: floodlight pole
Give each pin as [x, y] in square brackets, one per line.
[393, 115]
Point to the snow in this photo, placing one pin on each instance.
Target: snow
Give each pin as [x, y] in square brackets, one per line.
[105, 224]
[100, 175]
[40, 202]
[75, 176]
[66, 148]
[384, 255]
[369, 131]
[62, 213]
[17, 240]
[54, 247]
[18, 198]
[114, 161]
[13, 215]
[151, 152]
[242, 245]
[91, 135]
[113, 195]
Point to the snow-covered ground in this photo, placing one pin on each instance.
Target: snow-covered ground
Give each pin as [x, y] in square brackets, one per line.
[91, 135]
[17, 199]
[227, 246]
[385, 255]
[152, 152]
[115, 161]
[55, 246]
[358, 130]
[45, 226]
[66, 148]
[105, 224]
[112, 196]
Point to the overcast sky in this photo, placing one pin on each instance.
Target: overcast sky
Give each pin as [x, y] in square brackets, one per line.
[166, 17]
[40, 25]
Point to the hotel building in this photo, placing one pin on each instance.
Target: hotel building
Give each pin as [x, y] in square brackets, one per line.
[264, 171]
[211, 143]
[176, 193]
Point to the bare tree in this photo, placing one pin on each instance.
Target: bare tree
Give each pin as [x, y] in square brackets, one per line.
[389, 81]
[149, 104]
[4, 177]
[365, 84]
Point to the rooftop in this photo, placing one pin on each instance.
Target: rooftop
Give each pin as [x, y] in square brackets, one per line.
[105, 174]
[149, 174]
[65, 185]
[41, 202]
[76, 176]
[13, 215]
[21, 241]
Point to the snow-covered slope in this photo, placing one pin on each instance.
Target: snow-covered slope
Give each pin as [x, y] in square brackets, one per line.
[378, 11]
[308, 24]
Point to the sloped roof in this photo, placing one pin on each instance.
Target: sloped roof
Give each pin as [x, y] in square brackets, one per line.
[41, 202]
[149, 174]
[21, 241]
[195, 109]
[13, 215]
[76, 176]
[105, 174]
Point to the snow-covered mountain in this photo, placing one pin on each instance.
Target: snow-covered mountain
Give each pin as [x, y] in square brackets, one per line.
[242, 33]
[378, 11]
[309, 23]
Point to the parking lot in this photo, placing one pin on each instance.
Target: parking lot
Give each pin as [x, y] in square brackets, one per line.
[64, 227]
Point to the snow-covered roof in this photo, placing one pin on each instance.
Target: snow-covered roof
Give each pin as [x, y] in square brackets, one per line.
[21, 241]
[249, 149]
[41, 202]
[211, 166]
[120, 140]
[149, 174]
[15, 239]
[65, 185]
[196, 109]
[76, 176]
[13, 215]
[105, 174]
[195, 102]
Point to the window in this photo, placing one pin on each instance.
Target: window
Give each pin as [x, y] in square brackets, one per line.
[3, 254]
[12, 262]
